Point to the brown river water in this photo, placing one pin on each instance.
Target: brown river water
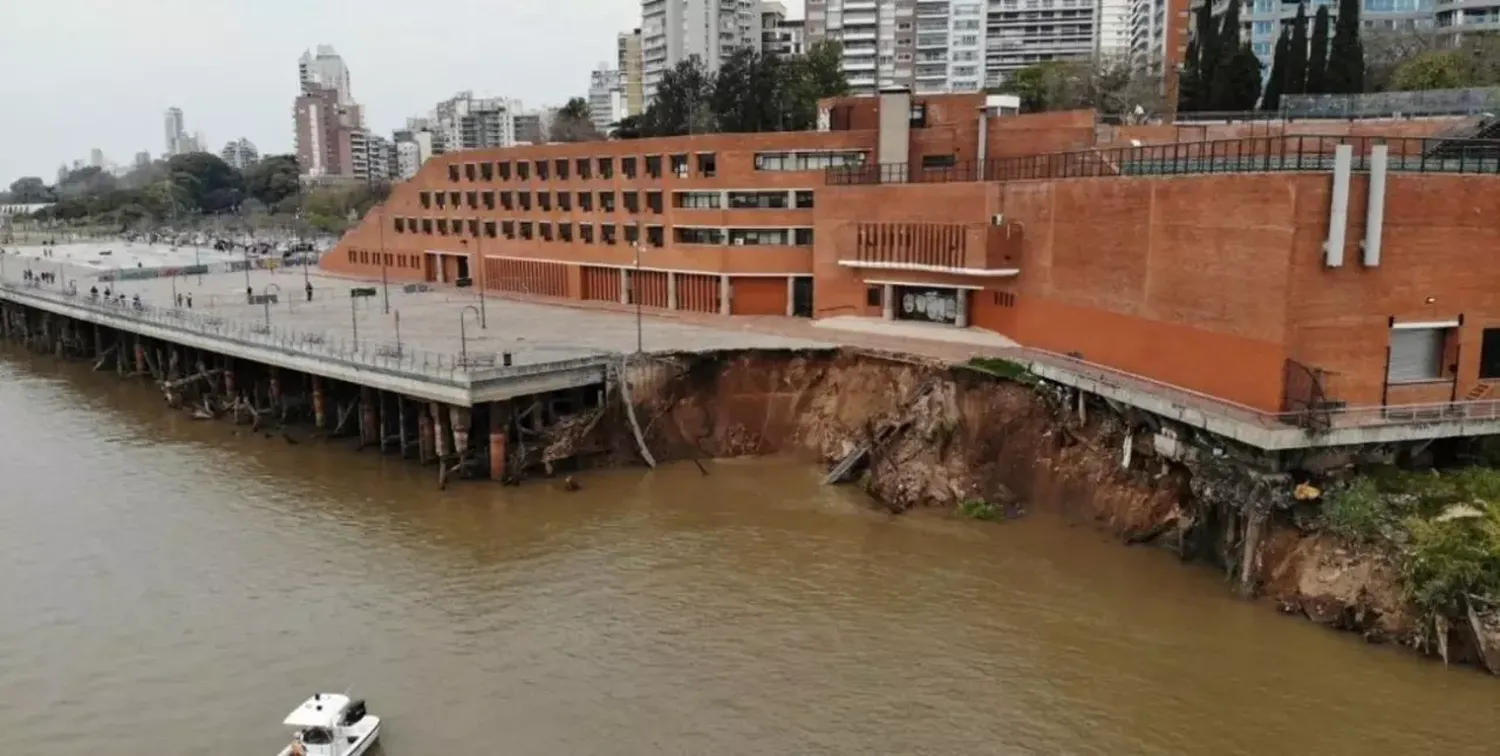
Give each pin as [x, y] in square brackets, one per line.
[173, 587]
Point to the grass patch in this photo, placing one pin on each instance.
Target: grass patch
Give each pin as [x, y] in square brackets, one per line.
[1443, 528]
[979, 509]
[1001, 368]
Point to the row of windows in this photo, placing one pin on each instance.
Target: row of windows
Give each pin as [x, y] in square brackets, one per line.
[392, 259]
[681, 165]
[632, 201]
[563, 231]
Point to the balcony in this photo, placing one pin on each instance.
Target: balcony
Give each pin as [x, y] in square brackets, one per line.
[991, 251]
[852, 65]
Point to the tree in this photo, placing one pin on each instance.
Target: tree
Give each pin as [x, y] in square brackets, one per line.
[1388, 49]
[628, 127]
[85, 182]
[1270, 101]
[1474, 63]
[205, 182]
[748, 93]
[1202, 56]
[573, 123]
[807, 78]
[1110, 86]
[1346, 55]
[683, 103]
[273, 179]
[29, 190]
[1235, 84]
[1295, 70]
[1317, 64]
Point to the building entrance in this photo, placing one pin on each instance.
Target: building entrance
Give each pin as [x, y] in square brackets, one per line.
[927, 304]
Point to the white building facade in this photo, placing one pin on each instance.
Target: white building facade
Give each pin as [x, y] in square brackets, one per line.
[607, 100]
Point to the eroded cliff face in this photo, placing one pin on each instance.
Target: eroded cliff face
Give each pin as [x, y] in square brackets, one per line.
[944, 436]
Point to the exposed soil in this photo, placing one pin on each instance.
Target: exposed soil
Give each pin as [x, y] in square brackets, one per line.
[942, 435]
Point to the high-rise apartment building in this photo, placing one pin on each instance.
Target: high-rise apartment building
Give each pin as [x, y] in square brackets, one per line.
[675, 30]
[780, 35]
[466, 122]
[96, 158]
[240, 154]
[175, 132]
[606, 97]
[1023, 33]
[929, 46]
[332, 141]
[1158, 42]
[324, 70]
[629, 64]
[1112, 43]
[142, 159]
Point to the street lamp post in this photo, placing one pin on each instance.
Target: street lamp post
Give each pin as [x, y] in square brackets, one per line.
[265, 300]
[479, 250]
[635, 284]
[463, 336]
[248, 289]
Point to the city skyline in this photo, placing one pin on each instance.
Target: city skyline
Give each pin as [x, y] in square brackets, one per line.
[90, 110]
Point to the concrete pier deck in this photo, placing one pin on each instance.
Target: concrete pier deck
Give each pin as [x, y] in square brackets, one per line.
[441, 344]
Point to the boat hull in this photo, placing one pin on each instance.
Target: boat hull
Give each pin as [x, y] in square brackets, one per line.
[365, 739]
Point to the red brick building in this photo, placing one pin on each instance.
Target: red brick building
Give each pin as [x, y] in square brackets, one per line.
[1202, 264]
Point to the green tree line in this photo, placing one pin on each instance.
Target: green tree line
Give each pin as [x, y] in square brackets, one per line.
[750, 92]
[187, 188]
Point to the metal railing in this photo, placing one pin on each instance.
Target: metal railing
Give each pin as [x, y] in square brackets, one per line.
[385, 357]
[1327, 417]
[1349, 107]
[1243, 155]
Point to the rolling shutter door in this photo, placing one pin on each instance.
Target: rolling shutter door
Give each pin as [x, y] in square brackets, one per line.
[1416, 355]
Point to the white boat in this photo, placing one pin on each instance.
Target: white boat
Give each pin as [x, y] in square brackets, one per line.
[331, 724]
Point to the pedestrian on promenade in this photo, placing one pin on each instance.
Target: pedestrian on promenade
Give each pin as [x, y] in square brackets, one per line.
[190, 301]
[309, 291]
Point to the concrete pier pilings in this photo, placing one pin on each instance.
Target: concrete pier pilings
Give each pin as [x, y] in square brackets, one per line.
[433, 408]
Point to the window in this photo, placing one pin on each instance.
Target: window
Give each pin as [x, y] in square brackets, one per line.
[454, 197]
[524, 200]
[653, 202]
[632, 201]
[560, 168]
[806, 161]
[1489, 355]
[565, 201]
[627, 167]
[939, 161]
[453, 172]
[583, 169]
[607, 201]
[544, 200]
[606, 167]
[655, 236]
[586, 233]
[607, 233]
[523, 170]
[508, 229]
[427, 226]
[506, 201]
[425, 198]
[544, 230]
[708, 164]
[696, 200]
[565, 232]
[1263, 28]
[759, 237]
[586, 202]
[473, 199]
[679, 165]
[489, 229]
[525, 229]
[400, 225]
[653, 166]
[487, 171]
[489, 200]
[802, 237]
[632, 234]
[504, 167]
[471, 171]
[872, 296]
[804, 200]
[541, 170]
[442, 199]
[442, 226]
[758, 200]
[682, 235]
[1416, 354]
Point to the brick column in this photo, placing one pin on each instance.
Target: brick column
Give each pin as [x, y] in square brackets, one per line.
[963, 308]
[499, 426]
[624, 286]
[671, 290]
[724, 295]
[320, 412]
[791, 294]
[888, 302]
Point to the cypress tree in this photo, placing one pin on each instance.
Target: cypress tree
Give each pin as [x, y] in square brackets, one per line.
[1208, 55]
[1271, 102]
[1229, 88]
[1295, 71]
[1317, 63]
[1346, 55]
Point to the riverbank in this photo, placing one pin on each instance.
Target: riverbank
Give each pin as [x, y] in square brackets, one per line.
[995, 442]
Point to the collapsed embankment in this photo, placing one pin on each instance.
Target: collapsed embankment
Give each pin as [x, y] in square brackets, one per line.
[994, 443]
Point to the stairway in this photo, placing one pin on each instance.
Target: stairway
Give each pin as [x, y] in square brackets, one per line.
[1459, 144]
[1480, 391]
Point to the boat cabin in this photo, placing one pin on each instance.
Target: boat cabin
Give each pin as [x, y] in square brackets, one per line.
[326, 725]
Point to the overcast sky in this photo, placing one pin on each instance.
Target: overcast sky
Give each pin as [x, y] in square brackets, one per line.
[80, 74]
